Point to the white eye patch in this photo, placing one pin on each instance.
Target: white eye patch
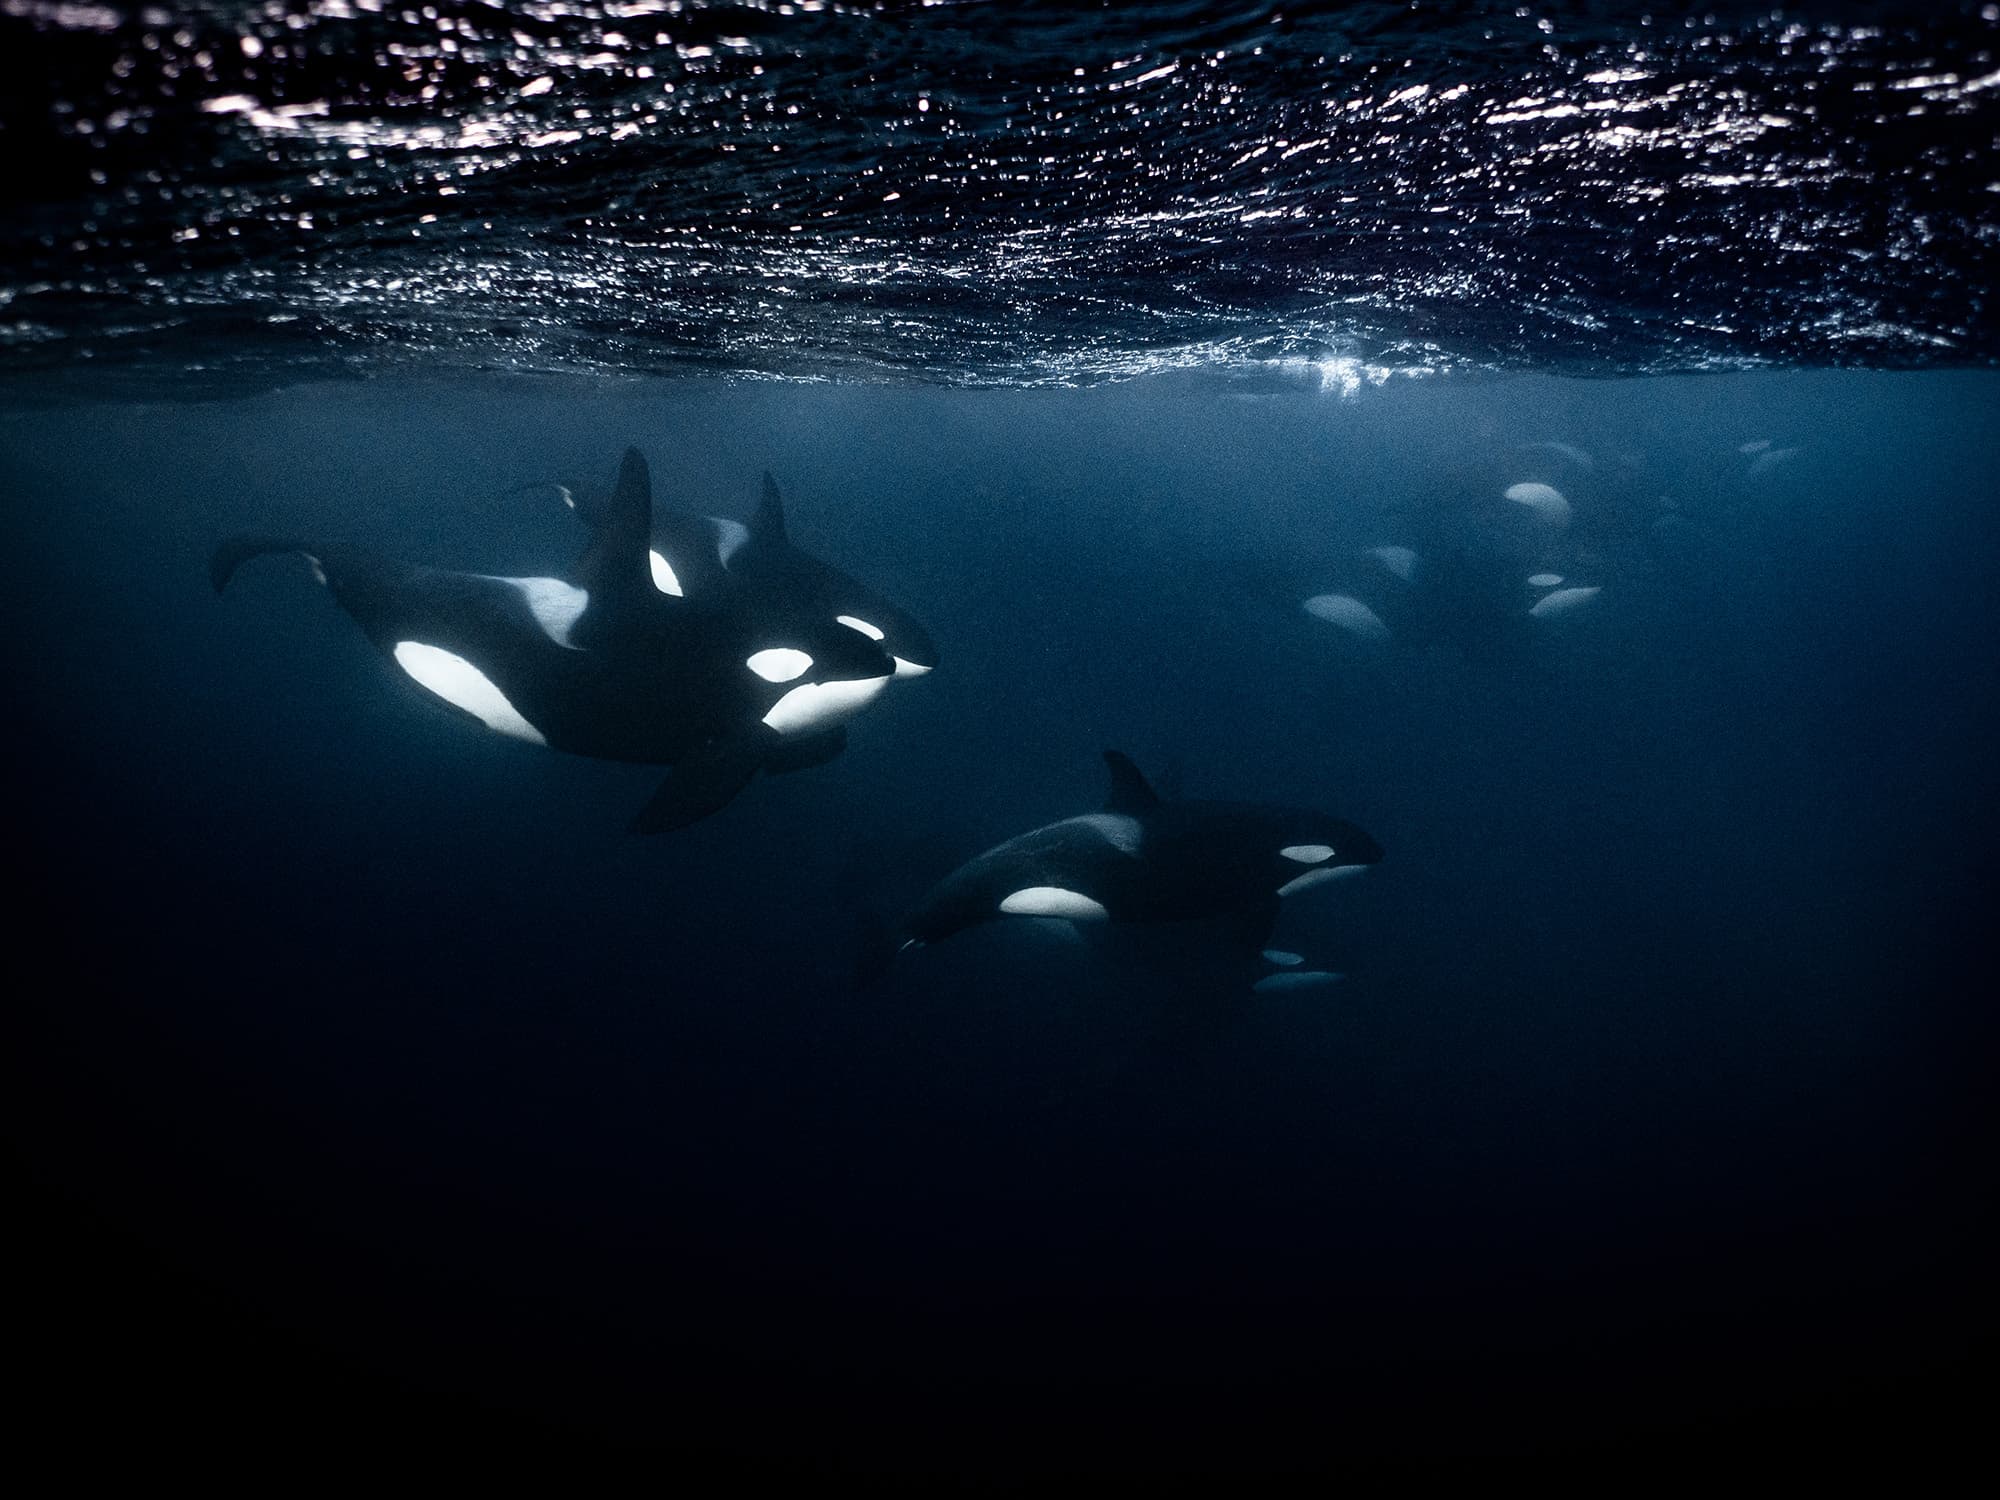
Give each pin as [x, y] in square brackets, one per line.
[1308, 854]
[853, 623]
[664, 578]
[779, 663]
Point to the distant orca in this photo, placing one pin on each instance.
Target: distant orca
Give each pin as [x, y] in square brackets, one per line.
[1452, 596]
[602, 665]
[698, 557]
[1145, 859]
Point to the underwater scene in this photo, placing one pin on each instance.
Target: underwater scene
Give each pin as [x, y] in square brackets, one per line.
[985, 744]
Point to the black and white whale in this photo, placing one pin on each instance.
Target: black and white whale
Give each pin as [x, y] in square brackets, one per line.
[602, 664]
[702, 558]
[1481, 606]
[1482, 582]
[1143, 859]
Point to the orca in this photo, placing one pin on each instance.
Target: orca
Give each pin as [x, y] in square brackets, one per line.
[1142, 858]
[1481, 604]
[601, 664]
[701, 557]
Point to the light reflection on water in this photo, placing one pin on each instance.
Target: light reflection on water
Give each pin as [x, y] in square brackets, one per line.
[979, 192]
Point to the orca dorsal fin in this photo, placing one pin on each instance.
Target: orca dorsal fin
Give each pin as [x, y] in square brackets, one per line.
[632, 499]
[768, 525]
[1129, 792]
[616, 560]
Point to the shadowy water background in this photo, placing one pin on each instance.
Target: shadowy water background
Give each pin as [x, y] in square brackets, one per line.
[374, 1091]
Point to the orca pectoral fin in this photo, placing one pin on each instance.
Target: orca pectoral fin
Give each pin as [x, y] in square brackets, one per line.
[705, 782]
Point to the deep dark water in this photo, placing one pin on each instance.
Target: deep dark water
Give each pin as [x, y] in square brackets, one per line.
[372, 1090]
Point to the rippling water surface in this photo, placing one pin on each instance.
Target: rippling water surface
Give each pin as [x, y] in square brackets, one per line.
[219, 196]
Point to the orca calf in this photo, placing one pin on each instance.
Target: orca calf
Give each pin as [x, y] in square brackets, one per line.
[702, 558]
[602, 664]
[1142, 858]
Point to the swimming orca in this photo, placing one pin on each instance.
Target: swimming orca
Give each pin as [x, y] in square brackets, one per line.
[700, 557]
[601, 664]
[1142, 858]
[1483, 604]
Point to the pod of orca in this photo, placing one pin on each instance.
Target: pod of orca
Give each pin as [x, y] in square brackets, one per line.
[609, 662]
[718, 649]
[1477, 599]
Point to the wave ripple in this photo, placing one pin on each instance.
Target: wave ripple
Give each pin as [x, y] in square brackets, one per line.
[248, 194]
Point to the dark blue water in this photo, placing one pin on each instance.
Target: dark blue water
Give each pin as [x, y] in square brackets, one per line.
[374, 1097]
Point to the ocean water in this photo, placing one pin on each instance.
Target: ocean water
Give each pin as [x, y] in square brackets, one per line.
[374, 1096]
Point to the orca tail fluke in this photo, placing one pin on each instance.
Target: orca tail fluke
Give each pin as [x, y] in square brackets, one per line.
[233, 553]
